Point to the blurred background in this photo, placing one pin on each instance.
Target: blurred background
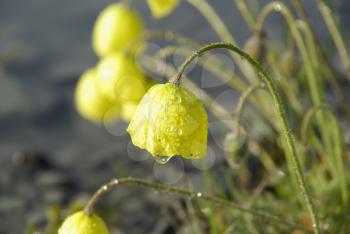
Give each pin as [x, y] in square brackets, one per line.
[49, 155]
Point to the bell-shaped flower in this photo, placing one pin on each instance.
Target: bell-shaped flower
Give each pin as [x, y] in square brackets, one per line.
[116, 26]
[91, 103]
[121, 79]
[81, 223]
[162, 8]
[168, 121]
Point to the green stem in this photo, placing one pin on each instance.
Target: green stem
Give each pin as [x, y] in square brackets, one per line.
[215, 108]
[222, 31]
[246, 13]
[242, 101]
[280, 7]
[307, 28]
[337, 164]
[295, 164]
[218, 69]
[337, 38]
[289, 92]
[89, 208]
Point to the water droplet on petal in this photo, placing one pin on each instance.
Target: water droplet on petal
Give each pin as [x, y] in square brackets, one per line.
[162, 159]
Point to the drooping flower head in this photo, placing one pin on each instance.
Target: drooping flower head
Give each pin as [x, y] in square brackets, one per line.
[170, 121]
[115, 27]
[91, 103]
[161, 8]
[80, 223]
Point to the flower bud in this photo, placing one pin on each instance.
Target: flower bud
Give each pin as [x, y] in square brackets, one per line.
[80, 223]
[91, 103]
[170, 121]
[115, 27]
[162, 8]
[255, 47]
[288, 63]
[120, 78]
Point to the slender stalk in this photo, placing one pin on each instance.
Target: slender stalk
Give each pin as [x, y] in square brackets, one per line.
[241, 103]
[89, 207]
[295, 164]
[336, 163]
[222, 31]
[215, 108]
[335, 34]
[285, 85]
[243, 7]
[216, 68]
[280, 7]
[308, 30]
[246, 13]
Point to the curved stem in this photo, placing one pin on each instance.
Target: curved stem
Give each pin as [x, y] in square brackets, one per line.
[217, 68]
[246, 13]
[280, 7]
[222, 31]
[242, 101]
[89, 208]
[337, 38]
[303, 26]
[295, 164]
[215, 108]
[307, 120]
[338, 166]
[308, 30]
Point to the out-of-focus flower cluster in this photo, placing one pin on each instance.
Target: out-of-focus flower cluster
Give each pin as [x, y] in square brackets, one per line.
[112, 89]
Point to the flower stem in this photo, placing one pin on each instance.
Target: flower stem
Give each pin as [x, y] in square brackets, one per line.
[280, 7]
[89, 208]
[338, 40]
[242, 101]
[295, 164]
[222, 31]
[337, 162]
[246, 13]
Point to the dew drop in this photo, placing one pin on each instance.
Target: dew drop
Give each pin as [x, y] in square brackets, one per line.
[278, 7]
[162, 159]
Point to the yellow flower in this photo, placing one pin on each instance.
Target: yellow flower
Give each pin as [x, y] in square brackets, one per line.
[161, 8]
[90, 102]
[128, 110]
[115, 28]
[120, 79]
[170, 121]
[80, 223]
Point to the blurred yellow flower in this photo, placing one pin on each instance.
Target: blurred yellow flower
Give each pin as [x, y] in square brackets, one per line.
[161, 8]
[128, 110]
[115, 27]
[168, 121]
[120, 78]
[91, 103]
[80, 223]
